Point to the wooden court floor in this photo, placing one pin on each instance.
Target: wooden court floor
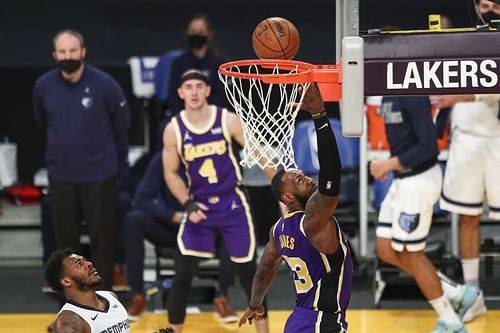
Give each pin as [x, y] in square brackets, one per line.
[360, 321]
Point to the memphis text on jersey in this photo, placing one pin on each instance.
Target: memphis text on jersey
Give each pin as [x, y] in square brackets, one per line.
[118, 327]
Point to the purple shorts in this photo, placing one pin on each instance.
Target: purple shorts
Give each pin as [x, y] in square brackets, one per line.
[235, 226]
[310, 321]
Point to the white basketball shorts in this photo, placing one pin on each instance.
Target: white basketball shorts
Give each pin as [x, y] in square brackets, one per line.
[406, 212]
[472, 175]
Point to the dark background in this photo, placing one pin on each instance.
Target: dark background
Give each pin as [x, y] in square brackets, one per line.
[118, 29]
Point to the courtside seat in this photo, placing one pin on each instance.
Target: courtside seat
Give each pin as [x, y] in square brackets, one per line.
[162, 75]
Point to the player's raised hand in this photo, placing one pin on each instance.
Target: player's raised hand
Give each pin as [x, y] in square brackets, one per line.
[252, 314]
[312, 102]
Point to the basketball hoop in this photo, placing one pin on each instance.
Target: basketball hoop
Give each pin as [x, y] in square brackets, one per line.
[265, 93]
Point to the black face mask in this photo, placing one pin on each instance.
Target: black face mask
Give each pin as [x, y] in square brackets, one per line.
[197, 41]
[69, 66]
[488, 16]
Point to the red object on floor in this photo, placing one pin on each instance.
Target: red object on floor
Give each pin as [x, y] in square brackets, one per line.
[23, 194]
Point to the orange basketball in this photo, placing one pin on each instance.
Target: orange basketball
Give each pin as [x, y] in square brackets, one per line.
[275, 38]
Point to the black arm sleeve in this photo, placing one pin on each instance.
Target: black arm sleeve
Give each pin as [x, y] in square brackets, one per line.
[328, 156]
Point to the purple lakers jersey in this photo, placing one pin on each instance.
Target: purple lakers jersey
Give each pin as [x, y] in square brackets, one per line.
[322, 281]
[211, 167]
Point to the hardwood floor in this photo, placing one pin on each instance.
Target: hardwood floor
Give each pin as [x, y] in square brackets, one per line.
[360, 321]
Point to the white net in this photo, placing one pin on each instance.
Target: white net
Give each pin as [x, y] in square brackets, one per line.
[267, 114]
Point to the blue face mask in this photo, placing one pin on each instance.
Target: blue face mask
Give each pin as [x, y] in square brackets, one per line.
[69, 66]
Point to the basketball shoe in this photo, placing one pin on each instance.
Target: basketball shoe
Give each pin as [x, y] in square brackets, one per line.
[444, 327]
[224, 310]
[469, 303]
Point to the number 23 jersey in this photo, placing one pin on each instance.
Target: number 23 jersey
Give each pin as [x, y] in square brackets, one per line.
[322, 281]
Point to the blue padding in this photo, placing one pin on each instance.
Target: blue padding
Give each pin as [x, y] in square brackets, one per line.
[306, 156]
[306, 149]
[162, 75]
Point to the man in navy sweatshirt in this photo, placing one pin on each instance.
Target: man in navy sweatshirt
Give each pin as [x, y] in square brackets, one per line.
[86, 119]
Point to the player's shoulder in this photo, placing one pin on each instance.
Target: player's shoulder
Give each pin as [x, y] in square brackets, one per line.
[170, 132]
[106, 293]
[69, 321]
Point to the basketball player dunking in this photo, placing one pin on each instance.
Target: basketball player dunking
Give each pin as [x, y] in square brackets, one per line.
[309, 239]
[201, 137]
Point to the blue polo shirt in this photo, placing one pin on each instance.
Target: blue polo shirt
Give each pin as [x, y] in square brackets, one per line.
[86, 123]
[411, 133]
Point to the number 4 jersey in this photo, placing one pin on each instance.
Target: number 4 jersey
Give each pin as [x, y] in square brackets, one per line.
[322, 281]
[211, 166]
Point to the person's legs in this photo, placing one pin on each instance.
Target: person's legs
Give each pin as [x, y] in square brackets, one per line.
[185, 268]
[404, 224]
[123, 206]
[139, 226]
[66, 217]
[99, 212]
[469, 248]
[226, 271]
[47, 226]
[222, 305]
[419, 267]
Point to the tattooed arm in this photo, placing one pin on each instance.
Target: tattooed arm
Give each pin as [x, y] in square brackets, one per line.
[70, 322]
[318, 222]
[268, 266]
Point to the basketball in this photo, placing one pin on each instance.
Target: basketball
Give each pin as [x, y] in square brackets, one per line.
[275, 38]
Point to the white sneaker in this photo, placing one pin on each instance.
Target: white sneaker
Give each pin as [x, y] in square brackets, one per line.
[475, 310]
[443, 327]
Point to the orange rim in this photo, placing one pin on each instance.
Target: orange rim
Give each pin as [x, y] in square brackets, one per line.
[306, 72]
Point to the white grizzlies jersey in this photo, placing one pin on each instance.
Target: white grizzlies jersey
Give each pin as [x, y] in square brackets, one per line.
[478, 118]
[113, 319]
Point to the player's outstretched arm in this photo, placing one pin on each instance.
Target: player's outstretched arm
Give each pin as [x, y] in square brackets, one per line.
[318, 222]
[70, 322]
[268, 266]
